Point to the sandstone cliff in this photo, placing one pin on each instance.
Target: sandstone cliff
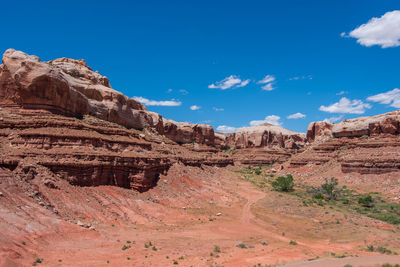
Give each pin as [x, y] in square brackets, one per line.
[366, 145]
[265, 135]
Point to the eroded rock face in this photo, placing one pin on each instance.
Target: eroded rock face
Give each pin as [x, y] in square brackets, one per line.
[319, 131]
[266, 135]
[68, 87]
[89, 151]
[183, 132]
[387, 123]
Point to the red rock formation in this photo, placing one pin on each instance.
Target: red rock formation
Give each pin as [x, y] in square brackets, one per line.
[387, 123]
[183, 132]
[319, 131]
[266, 135]
[90, 152]
[68, 87]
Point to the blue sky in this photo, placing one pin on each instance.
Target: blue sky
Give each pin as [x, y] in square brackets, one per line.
[310, 54]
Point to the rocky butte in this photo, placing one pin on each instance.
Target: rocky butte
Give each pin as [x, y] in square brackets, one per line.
[78, 158]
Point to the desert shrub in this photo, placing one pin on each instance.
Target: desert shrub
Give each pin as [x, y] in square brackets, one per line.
[383, 250]
[241, 245]
[318, 196]
[283, 183]
[330, 189]
[217, 249]
[292, 242]
[125, 247]
[366, 201]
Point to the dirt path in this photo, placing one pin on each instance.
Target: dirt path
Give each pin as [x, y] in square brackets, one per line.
[252, 197]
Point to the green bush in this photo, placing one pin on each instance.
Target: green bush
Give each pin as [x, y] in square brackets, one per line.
[366, 201]
[283, 183]
[330, 189]
[241, 245]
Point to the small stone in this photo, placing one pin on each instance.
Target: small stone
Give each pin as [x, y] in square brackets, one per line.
[1, 194]
[80, 223]
[218, 214]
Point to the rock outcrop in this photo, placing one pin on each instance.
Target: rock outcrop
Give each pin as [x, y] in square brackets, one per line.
[319, 131]
[89, 151]
[388, 123]
[68, 87]
[265, 135]
[183, 132]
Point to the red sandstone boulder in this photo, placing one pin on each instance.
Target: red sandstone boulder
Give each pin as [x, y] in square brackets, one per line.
[69, 87]
[265, 135]
[319, 131]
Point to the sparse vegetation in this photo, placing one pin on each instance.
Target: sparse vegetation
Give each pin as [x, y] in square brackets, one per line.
[229, 149]
[345, 200]
[366, 201]
[380, 249]
[217, 249]
[283, 183]
[241, 245]
[37, 261]
[292, 242]
[125, 247]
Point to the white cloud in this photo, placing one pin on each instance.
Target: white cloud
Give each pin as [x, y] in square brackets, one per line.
[308, 77]
[268, 87]
[272, 119]
[383, 31]
[346, 105]
[244, 83]
[342, 93]
[218, 109]
[183, 92]
[268, 81]
[148, 102]
[194, 107]
[229, 82]
[297, 115]
[169, 90]
[333, 119]
[226, 129]
[390, 97]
